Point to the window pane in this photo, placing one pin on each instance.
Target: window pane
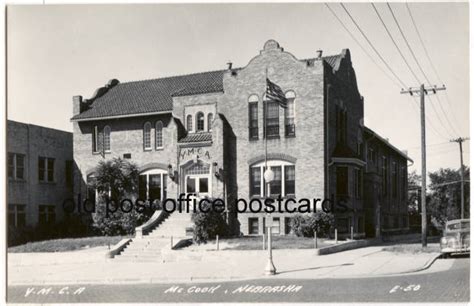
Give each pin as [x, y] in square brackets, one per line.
[41, 168]
[11, 165]
[165, 185]
[253, 226]
[290, 118]
[200, 121]
[276, 226]
[189, 123]
[341, 178]
[290, 180]
[203, 185]
[191, 185]
[155, 186]
[253, 120]
[275, 185]
[95, 139]
[159, 134]
[255, 181]
[50, 170]
[199, 168]
[142, 187]
[272, 119]
[107, 138]
[146, 135]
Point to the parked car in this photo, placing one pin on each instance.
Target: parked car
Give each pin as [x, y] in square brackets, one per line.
[456, 237]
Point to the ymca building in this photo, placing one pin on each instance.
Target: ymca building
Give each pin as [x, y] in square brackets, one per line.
[205, 134]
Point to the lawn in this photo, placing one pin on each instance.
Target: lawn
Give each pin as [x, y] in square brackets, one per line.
[67, 244]
[412, 248]
[255, 243]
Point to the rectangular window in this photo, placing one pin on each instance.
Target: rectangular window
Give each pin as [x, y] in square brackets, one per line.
[95, 139]
[289, 180]
[69, 173]
[50, 170]
[357, 183]
[16, 215]
[341, 125]
[155, 186]
[341, 181]
[16, 166]
[272, 124]
[191, 185]
[253, 226]
[253, 120]
[275, 185]
[384, 175]
[255, 181]
[47, 214]
[290, 118]
[203, 185]
[276, 226]
[41, 168]
[394, 180]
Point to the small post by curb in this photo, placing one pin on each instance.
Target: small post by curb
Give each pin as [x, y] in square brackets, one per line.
[217, 242]
[263, 241]
[352, 232]
[335, 234]
[315, 239]
[171, 245]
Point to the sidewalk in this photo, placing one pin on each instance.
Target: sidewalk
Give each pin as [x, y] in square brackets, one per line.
[90, 266]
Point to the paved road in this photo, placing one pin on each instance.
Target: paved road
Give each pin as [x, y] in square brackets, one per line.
[447, 286]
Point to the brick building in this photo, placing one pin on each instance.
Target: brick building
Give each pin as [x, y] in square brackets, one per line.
[40, 173]
[205, 133]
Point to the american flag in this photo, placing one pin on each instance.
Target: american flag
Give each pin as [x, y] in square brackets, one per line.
[275, 94]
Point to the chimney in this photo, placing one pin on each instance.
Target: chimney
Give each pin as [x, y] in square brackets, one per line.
[76, 105]
[229, 65]
[319, 53]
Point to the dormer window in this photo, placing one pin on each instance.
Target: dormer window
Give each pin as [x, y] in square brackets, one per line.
[200, 122]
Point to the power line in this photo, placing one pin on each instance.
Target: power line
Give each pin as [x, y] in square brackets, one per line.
[429, 59]
[422, 71]
[372, 46]
[394, 42]
[361, 46]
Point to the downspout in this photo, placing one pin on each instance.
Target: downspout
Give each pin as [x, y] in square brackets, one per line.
[328, 164]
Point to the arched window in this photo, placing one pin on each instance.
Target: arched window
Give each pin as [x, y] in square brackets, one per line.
[209, 121]
[152, 184]
[283, 183]
[253, 117]
[199, 122]
[290, 114]
[189, 123]
[147, 136]
[159, 135]
[107, 138]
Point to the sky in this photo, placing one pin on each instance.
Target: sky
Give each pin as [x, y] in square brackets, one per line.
[58, 51]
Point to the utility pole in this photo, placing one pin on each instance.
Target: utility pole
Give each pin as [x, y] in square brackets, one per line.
[421, 92]
[460, 140]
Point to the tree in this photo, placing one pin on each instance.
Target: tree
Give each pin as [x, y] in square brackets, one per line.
[414, 186]
[444, 201]
[116, 180]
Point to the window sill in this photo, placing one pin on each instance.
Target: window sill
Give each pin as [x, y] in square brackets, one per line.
[159, 149]
[290, 136]
[147, 150]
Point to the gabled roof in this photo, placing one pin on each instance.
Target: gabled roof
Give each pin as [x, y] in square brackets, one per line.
[151, 96]
[388, 144]
[156, 95]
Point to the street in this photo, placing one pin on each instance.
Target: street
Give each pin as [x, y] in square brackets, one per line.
[447, 286]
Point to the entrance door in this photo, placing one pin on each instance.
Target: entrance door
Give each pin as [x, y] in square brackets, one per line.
[197, 179]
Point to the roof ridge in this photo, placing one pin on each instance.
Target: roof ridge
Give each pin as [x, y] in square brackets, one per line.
[177, 76]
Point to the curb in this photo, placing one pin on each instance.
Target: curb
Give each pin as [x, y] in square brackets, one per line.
[426, 266]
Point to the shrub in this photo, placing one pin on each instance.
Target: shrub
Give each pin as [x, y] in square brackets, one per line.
[119, 178]
[306, 225]
[208, 224]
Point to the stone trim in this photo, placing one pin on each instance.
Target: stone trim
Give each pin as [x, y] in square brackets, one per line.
[272, 156]
[153, 166]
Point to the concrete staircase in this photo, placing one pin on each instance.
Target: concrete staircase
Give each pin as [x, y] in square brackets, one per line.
[164, 236]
